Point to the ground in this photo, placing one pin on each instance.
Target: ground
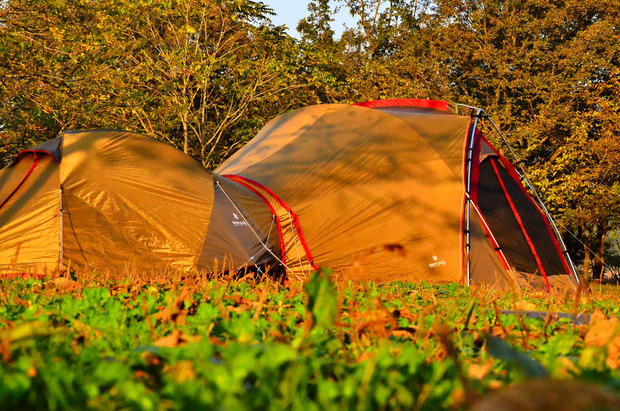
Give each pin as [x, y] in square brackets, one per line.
[177, 342]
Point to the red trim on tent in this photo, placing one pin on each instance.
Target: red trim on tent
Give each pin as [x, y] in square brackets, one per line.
[473, 195]
[475, 168]
[414, 102]
[30, 151]
[515, 176]
[464, 278]
[36, 161]
[273, 212]
[25, 153]
[520, 221]
[302, 239]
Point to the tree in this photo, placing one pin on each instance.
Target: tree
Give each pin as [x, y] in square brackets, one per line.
[321, 53]
[51, 68]
[184, 71]
[206, 66]
[365, 62]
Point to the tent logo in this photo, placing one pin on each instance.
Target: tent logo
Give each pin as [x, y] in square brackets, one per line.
[436, 263]
[236, 222]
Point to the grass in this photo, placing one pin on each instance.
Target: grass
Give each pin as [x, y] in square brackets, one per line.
[172, 342]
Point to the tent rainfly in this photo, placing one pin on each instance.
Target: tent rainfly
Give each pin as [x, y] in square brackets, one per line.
[392, 190]
[118, 201]
[400, 190]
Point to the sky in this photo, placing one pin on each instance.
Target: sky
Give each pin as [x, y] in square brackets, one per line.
[289, 12]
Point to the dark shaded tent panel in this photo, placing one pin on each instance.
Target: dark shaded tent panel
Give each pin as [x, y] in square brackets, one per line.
[118, 201]
[520, 227]
[295, 256]
[241, 231]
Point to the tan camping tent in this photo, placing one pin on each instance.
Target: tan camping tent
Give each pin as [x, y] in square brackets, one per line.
[406, 190]
[399, 190]
[119, 201]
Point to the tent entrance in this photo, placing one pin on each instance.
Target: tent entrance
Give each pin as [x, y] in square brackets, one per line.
[516, 226]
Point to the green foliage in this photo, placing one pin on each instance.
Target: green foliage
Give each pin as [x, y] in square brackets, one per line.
[230, 344]
[184, 71]
[322, 302]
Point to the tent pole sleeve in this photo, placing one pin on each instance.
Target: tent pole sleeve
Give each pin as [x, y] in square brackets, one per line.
[468, 200]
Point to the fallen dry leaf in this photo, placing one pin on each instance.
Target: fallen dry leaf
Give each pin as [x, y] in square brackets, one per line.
[613, 353]
[375, 323]
[410, 334]
[525, 306]
[173, 340]
[32, 372]
[140, 374]
[63, 284]
[151, 359]
[597, 316]
[566, 368]
[479, 371]
[365, 356]
[497, 331]
[181, 371]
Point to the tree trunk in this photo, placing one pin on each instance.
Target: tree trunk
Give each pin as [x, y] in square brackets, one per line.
[185, 136]
[586, 262]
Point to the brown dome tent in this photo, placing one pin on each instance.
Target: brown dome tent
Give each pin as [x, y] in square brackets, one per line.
[405, 190]
[119, 201]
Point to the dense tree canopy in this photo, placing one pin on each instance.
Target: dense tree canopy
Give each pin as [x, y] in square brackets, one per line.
[205, 75]
[184, 71]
